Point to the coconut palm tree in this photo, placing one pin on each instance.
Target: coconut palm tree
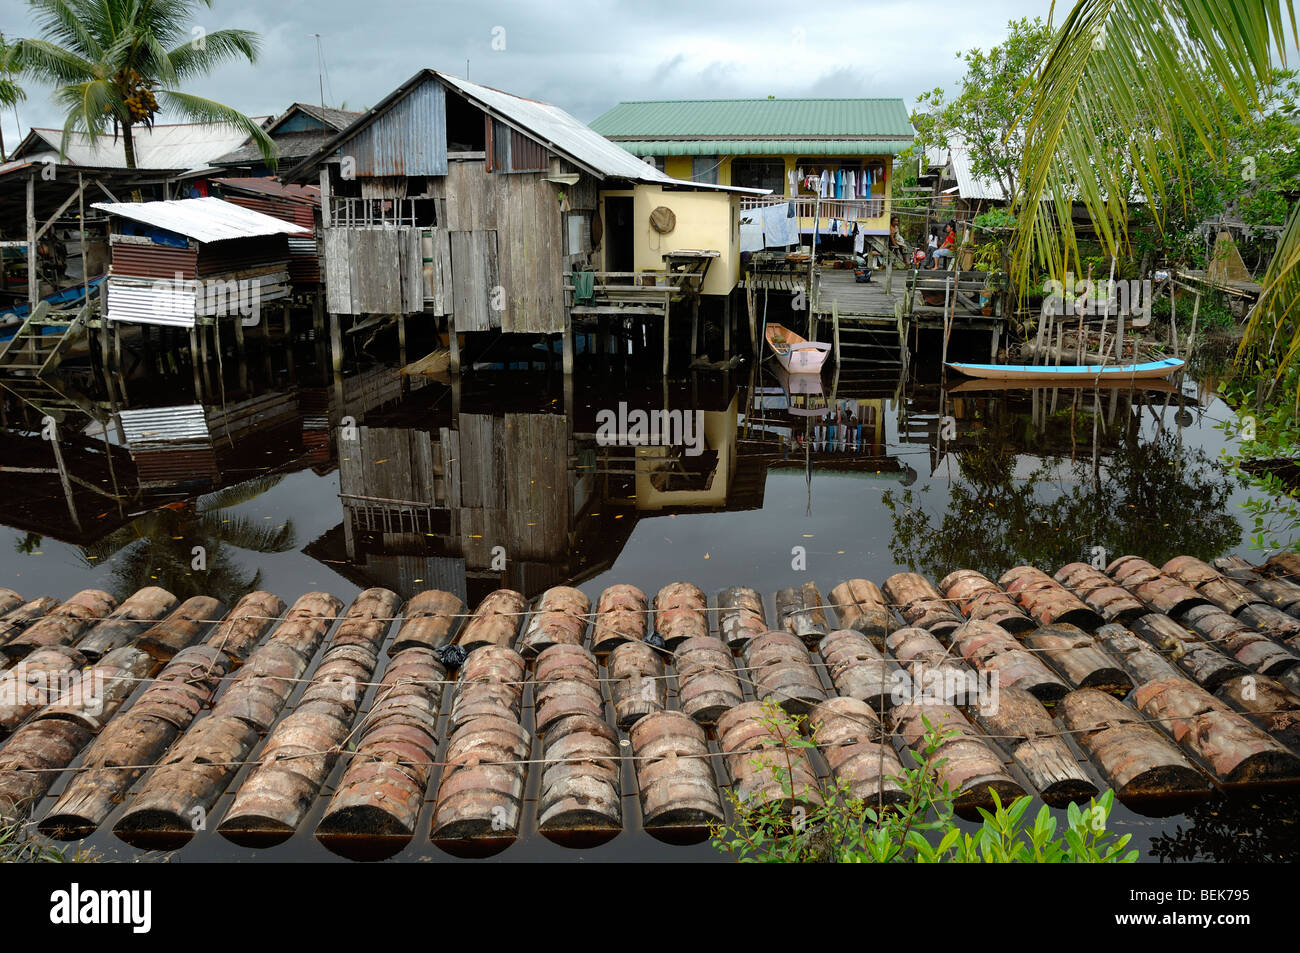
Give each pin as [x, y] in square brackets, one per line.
[116, 63]
[11, 94]
[1106, 112]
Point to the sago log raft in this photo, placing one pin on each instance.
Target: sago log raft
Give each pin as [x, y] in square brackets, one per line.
[583, 716]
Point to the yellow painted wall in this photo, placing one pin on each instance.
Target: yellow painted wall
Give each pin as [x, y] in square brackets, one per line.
[708, 220]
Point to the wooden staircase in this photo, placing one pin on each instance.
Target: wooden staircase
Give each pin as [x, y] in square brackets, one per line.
[29, 359]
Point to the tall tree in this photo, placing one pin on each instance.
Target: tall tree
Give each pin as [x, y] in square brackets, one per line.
[11, 94]
[115, 64]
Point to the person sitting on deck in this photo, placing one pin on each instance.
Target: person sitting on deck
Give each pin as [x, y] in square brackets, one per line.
[897, 244]
[947, 247]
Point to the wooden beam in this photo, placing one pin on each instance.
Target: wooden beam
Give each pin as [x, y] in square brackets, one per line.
[75, 196]
[33, 284]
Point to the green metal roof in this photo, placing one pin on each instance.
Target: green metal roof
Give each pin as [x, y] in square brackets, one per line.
[756, 119]
[764, 147]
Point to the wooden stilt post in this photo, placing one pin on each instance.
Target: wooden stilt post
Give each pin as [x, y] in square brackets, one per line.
[194, 362]
[726, 328]
[240, 354]
[566, 349]
[453, 342]
[695, 326]
[33, 265]
[835, 329]
[401, 338]
[666, 348]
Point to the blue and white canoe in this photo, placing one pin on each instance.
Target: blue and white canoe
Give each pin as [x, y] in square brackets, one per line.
[1072, 373]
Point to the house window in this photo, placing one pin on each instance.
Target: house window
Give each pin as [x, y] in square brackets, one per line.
[759, 174]
[704, 169]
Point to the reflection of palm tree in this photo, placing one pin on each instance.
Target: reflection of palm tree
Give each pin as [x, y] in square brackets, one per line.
[157, 549]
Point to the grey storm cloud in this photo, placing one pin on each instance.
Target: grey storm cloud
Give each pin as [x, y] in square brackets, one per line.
[582, 55]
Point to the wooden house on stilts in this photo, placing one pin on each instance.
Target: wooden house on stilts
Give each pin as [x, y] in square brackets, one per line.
[488, 212]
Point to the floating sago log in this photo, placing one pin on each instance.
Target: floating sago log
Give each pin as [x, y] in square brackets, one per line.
[1273, 622]
[860, 605]
[377, 802]
[851, 738]
[1138, 658]
[567, 683]
[1285, 566]
[681, 613]
[1252, 649]
[963, 760]
[560, 619]
[1078, 658]
[62, 626]
[136, 738]
[495, 622]
[990, 648]
[301, 750]
[34, 682]
[1143, 766]
[30, 760]
[923, 606]
[1236, 751]
[489, 683]
[429, 620]
[979, 598]
[1265, 702]
[127, 622]
[14, 622]
[1227, 594]
[706, 679]
[1203, 663]
[674, 774]
[1281, 593]
[799, 612]
[244, 625]
[1113, 603]
[741, 616]
[479, 802]
[639, 688]
[782, 672]
[765, 761]
[578, 803]
[177, 797]
[934, 673]
[9, 600]
[1046, 599]
[621, 616]
[1234, 567]
[858, 669]
[181, 627]
[1162, 593]
[1020, 724]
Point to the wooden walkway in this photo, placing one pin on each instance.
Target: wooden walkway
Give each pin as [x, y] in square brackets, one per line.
[583, 721]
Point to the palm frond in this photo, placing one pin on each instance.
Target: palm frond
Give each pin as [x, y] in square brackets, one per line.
[220, 46]
[239, 493]
[1271, 341]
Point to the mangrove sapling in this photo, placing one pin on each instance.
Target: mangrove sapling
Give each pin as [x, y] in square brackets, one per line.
[829, 825]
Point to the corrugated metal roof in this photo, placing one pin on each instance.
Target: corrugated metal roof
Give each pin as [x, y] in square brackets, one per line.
[166, 146]
[153, 425]
[756, 119]
[758, 147]
[554, 126]
[204, 219]
[970, 186]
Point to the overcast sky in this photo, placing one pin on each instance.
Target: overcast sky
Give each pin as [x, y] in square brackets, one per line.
[583, 55]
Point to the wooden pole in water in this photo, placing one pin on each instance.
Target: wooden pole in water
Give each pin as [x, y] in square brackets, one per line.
[1191, 335]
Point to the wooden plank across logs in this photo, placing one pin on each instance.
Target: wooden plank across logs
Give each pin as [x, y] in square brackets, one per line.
[53, 737]
[922, 605]
[580, 799]
[851, 737]
[1047, 600]
[496, 621]
[799, 611]
[1113, 603]
[620, 617]
[992, 649]
[707, 684]
[62, 625]
[176, 798]
[675, 780]
[741, 616]
[861, 605]
[681, 613]
[377, 802]
[764, 765]
[1161, 592]
[639, 686]
[1020, 724]
[1078, 658]
[782, 671]
[962, 759]
[1137, 761]
[301, 750]
[479, 804]
[979, 598]
[560, 619]
[858, 669]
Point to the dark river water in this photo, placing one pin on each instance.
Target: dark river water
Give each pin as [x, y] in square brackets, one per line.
[435, 488]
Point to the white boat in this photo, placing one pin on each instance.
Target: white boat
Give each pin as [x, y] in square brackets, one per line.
[1072, 373]
[796, 353]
